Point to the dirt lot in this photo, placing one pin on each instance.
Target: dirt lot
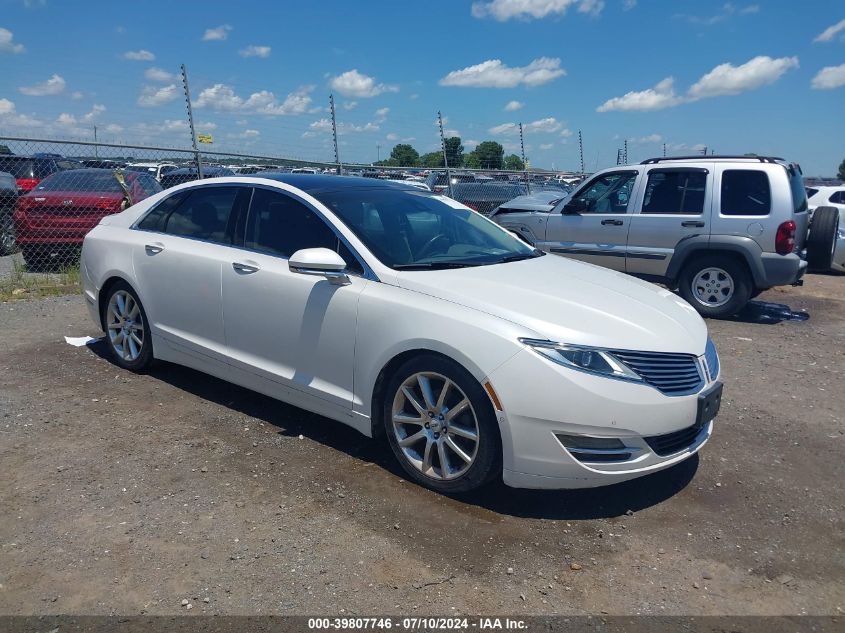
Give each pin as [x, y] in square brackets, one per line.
[125, 494]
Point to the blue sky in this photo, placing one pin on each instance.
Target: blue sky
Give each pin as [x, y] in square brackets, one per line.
[764, 76]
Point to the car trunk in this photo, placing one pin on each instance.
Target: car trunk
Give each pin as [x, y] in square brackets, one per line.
[63, 215]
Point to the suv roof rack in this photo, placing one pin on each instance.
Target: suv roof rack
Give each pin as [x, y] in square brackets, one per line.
[762, 159]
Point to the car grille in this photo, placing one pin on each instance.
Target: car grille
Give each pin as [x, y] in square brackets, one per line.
[672, 374]
[671, 443]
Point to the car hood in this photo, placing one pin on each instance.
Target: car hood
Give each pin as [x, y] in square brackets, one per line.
[569, 301]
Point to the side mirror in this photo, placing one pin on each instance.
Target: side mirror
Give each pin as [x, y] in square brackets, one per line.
[321, 262]
[574, 207]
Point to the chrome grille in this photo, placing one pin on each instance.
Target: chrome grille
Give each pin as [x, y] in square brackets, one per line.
[672, 374]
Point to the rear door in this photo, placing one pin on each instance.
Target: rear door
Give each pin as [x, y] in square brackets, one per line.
[598, 231]
[673, 206]
[178, 256]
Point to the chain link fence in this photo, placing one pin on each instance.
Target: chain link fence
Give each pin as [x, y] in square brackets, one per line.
[53, 192]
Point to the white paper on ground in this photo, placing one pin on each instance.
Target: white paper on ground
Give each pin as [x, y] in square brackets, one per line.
[79, 341]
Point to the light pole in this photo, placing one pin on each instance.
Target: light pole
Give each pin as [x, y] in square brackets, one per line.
[378, 153]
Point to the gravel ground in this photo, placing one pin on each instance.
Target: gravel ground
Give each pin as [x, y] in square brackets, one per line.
[126, 494]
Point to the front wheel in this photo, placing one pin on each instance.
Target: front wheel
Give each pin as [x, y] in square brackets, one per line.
[717, 286]
[441, 425]
[127, 328]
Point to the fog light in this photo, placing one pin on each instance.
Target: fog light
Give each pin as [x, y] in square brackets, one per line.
[600, 443]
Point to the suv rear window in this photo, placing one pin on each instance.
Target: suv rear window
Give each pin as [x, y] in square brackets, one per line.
[747, 192]
[20, 168]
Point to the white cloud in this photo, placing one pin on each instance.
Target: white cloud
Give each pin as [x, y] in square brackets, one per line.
[217, 34]
[222, 97]
[645, 140]
[627, 5]
[6, 107]
[727, 79]
[494, 74]
[547, 125]
[159, 74]
[7, 43]
[661, 96]
[504, 10]
[350, 105]
[513, 106]
[325, 125]
[547, 145]
[53, 86]
[829, 77]
[566, 133]
[355, 84]
[66, 119]
[95, 112]
[381, 114]
[114, 128]
[255, 51]
[250, 134]
[727, 10]
[76, 95]
[392, 137]
[151, 96]
[825, 36]
[139, 56]
[205, 126]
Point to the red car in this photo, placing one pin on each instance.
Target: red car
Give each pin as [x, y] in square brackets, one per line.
[51, 220]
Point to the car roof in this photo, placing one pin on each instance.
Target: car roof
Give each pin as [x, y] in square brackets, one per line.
[319, 183]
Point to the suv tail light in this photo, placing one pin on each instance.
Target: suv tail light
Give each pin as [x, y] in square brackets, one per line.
[785, 238]
[25, 185]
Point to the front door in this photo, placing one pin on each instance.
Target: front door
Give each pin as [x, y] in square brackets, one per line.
[593, 224]
[673, 206]
[289, 329]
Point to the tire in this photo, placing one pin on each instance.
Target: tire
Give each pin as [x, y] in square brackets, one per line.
[436, 431]
[7, 235]
[821, 241]
[33, 257]
[129, 342]
[717, 286]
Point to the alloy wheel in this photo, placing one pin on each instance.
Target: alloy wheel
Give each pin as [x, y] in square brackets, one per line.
[435, 426]
[713, 287]
[125, 326]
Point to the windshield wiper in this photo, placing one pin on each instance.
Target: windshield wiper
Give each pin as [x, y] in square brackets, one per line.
[434, 265]
[518, 257]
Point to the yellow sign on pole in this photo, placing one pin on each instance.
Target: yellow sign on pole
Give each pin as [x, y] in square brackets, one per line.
[205, 138]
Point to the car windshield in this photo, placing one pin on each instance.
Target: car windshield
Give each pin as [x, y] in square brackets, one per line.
[80, 181]
[410, 230]
[18, 167]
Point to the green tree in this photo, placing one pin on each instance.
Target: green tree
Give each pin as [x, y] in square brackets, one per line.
[4, 149]
[841, 174]
[454, 151]
[490, 154]
[514, 162]
[404, 155]
[471, 161]
[432, 159]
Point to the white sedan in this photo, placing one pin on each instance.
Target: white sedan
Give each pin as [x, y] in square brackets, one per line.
[404, 314]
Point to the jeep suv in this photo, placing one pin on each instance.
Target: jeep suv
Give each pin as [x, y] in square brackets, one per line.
[719, 229]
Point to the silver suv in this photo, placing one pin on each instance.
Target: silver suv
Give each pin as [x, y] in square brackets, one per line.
[719, 229]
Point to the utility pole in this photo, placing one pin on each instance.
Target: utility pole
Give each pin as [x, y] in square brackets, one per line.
[378, 153]
[445, 160]
[191, 121]
[334, 134]
[524, 163]
[625, 154]
[619, 156]
[664, 150]
[581, 151]
[96, 152]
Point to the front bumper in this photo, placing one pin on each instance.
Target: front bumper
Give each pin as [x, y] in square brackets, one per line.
[556, 400]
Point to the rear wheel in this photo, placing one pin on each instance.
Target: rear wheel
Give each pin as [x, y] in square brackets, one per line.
[717, 286]
[127, 329]
[33, 257]
[821, 242]
[441, 426]
[7, 235]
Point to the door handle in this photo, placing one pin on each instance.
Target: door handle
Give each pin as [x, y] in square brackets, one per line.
[246, 269]
[612, 222]
[696, 223]
[153, 249]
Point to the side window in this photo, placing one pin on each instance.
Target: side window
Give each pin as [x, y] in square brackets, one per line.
[204, 214]
[675, 191]
[609, 193]
[838, 197]
[280, 225]
[745, 192]
[156, 218]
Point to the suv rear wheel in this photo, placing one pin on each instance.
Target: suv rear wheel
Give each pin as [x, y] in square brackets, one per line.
[717, 286]
[821, 242]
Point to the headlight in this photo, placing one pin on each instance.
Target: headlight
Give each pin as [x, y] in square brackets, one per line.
[588, 359]
[712, 358]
